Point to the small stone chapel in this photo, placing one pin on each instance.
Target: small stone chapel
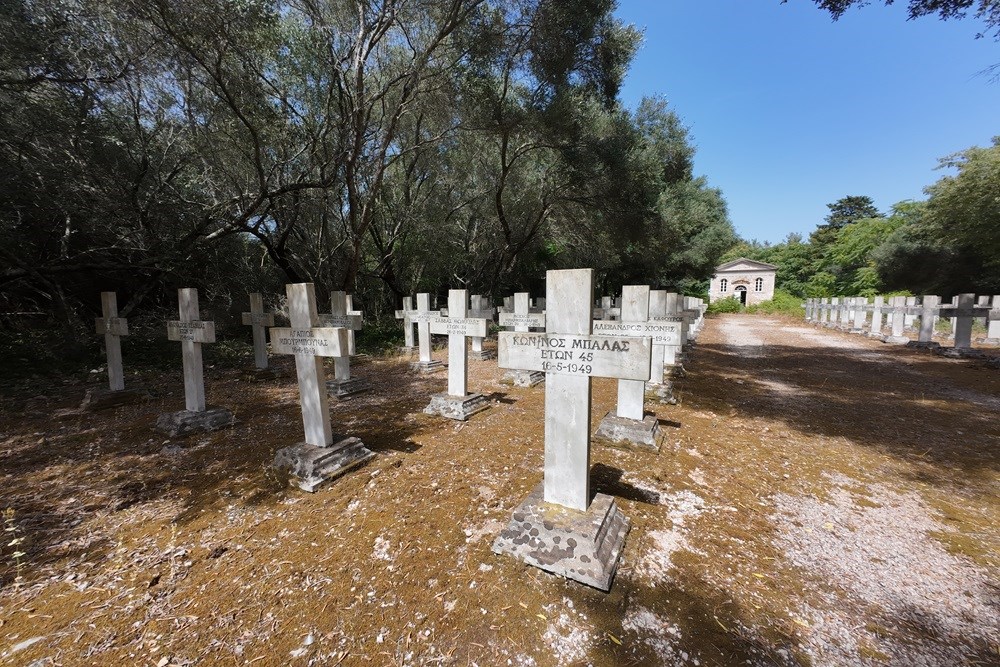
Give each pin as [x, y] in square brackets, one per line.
[748, 280]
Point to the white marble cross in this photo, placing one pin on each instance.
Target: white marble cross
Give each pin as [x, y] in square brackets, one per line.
[422, 317]
[570, 356]
[341, 316]
[458, 327]
[993, 320]
[962, 312]
[112, 327]
[521, 319]
[928, 310]
[407, 324]
[480, 309]
[310, 342]
[259, 320]
[191, 332]
[860, 306]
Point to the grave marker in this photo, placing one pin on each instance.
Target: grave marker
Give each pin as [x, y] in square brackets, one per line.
[928, 310]
[898, 310]
[876, 328]
[629, 422]
[192, 333]
[993, 322]
[422, 317]
[407, 324]
[457, 402]
[259, 320]
[963, 311]
[112, 327]
[522, 320]
[557, 528]
[860, 306]
[343, 385]
[322, 456]
[481, 309]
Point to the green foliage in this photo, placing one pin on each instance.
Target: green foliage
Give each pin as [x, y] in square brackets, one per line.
[782, 303]
[728, 305]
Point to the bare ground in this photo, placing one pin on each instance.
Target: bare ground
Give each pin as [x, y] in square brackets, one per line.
[819, 499]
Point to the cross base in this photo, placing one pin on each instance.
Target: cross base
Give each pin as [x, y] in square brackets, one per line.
[100, 399]
[896, 340]
[662, 393]
[923, 344]
[427, 366]
[456, 407]
[877, 336]
[523, 378]
[644, 433]
[311, 466]
[342, 389]
[988, 341]
[857, 330]
[582, 546]
[482, 355]
[186, 422]
[406, 351]
[959, 353]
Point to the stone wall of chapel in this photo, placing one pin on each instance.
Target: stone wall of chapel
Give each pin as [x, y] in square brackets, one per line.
[746, 279]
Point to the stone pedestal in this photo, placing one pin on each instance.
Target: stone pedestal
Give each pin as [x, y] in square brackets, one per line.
[311, 466]
[960, 353]
[342, 389]
[482, 355]
[923, 344]
[523, 378]
[661, 393]
[456, 407]
[896, 340]
[100, 399]
[584, 546]
[877, 336]
[644, 432]
[185, 422]
[427, 366]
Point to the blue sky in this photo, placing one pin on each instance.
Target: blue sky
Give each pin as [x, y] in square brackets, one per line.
[790, 111]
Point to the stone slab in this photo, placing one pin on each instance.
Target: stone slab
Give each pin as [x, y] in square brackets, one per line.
[342, 389]
[101, 399]
[428, 366]
[523, 378]
[877, 336]
[482, 355]
[186, 422]
[896, 340]
[311, 466]
[923, 344]
[645, 432]
[456, 407]
[960, 353]
[584, 546]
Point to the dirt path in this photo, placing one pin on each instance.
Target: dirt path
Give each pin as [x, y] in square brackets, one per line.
[819, 499]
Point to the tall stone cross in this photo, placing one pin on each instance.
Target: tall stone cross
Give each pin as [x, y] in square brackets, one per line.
[875, 331]
[672, 353]
[859, 306]
[341, 316]
[481, 309]
[323, 455]
[407, 324]
[912, 311]
[422, 317]
[259, 320]
[457, 403]
[928, 310]
[897, 318]
[824, 310]
[521, 319]
[192, 333]
[629, 422]
[560, 509]
[993, 322]
[963, 312]
[112, 327]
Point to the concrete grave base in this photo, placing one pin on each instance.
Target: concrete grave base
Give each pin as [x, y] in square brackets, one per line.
[100, 399]
[877, 336]
[645, 432]
[959, 353]
[523, 378]
[857, 331]
[456, 407]
[185, 422]
[896, 340]
[582, 546]
[661, 393]
[404, 351]
[923, 344]
[341, 389]
[988, 341]
[428, 366]
[485, 355]
[311, 466]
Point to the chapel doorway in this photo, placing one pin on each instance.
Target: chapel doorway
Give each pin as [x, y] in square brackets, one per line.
[741, 294]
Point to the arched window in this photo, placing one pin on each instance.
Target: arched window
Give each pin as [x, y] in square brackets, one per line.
[723, 285]
[758, 285]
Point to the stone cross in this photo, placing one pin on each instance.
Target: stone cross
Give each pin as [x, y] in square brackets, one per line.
[112, 327]
[457, 403]
[422, 317]
[521, 319]
[323, 455]
[407, 324]
[191, 332]
[860, 305]
[258, 319]
[674, 313]
[993, 326]
[561, 509]
[341, 316]
[825, 308]
[908, 317]
[984, 302]
[876, 329]
[929, 307]
[897, 309]
[350, 332]
[963, 312]
[481, 309]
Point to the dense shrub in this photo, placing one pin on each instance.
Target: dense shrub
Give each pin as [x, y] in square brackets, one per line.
[728, 305]
[782, 302]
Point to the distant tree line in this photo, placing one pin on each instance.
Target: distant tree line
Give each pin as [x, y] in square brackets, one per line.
[944, 245]
[382, 147]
